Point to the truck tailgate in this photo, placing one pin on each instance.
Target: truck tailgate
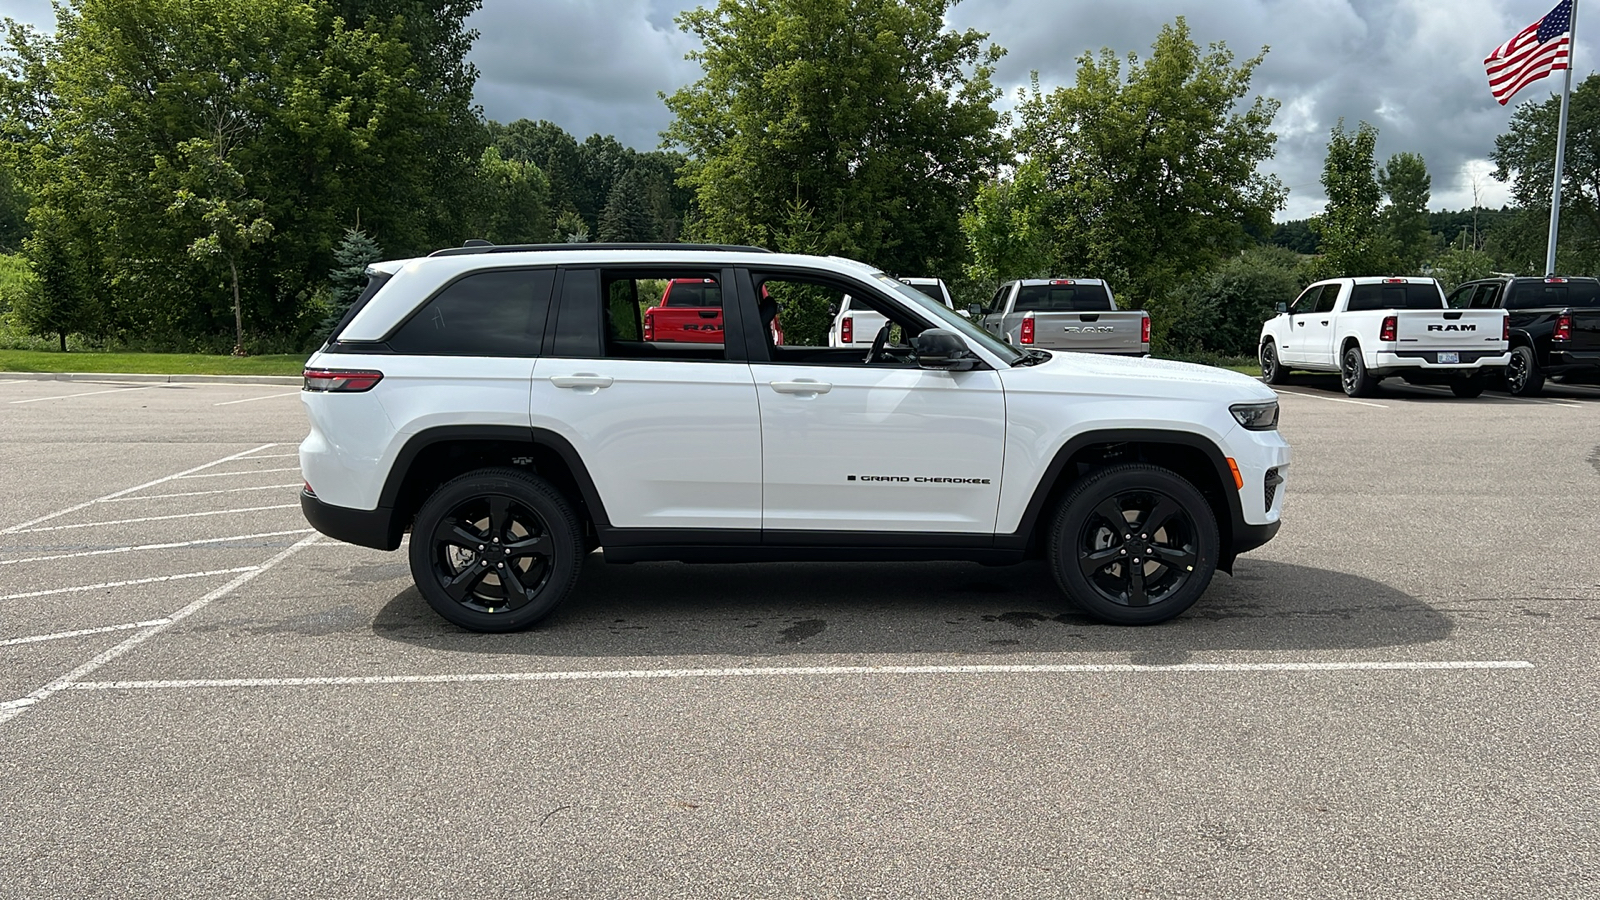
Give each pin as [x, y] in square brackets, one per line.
[1472, 330]
[1089, 332]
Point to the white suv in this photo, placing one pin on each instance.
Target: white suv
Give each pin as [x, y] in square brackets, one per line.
[500, 404]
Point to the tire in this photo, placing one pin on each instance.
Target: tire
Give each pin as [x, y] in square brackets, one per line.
[499, 510]
[1272, 370]
[1523, 378]
[1177, 559]
[1467, 388]
[1353, 374]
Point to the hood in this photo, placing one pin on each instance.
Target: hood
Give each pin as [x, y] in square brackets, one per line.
[1085, 373]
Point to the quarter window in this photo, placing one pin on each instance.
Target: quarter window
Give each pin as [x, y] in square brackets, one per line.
[498, 313]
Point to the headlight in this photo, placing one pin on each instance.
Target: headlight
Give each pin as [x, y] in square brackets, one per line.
[1261, 416]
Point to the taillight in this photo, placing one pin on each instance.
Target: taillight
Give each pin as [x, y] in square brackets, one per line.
[1563, 328]
[341, 381]
[1027, 329]
[1390, 325]
[1144, 330]
[847, 330]
[649, 325]
[1505, 328]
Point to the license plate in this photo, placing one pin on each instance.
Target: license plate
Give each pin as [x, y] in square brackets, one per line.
[1449, 357]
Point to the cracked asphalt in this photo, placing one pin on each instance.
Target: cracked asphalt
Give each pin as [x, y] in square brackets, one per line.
[1395, 698]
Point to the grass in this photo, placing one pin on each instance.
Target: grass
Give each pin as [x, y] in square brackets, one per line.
[149, 363]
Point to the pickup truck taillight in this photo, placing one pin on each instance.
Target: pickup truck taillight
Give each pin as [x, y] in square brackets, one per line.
[1027, 329]
[1144, 330]
[1563, 328]
[341, 381]
[1391, 324]
[847, 330]
[649, 326]
[1505, 329]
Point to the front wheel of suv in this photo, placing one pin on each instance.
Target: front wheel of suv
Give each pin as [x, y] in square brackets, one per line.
[1133, 544]
[496, 549]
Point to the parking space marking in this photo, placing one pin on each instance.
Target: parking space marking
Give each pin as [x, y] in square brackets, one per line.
[1330, 399]
[268, 487]
[61, 635]
[792, 671]
[253, 399]
[275, 456]
[247, 472]
[214, 512]
[154, 579]
[11, 709]
[126, 491]
[170, 546]
[121, 390]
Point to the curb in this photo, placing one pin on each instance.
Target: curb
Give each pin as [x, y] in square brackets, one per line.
[144, 377]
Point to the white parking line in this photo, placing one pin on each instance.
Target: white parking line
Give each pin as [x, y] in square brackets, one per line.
[268, 487]
[156, 579]
[214, 512]
[122, 390]
[1330, 399]
[792, 671]
[274, 456]
[125, 491]
[249, 472]
[253, 399]
[10, 710]
[61, 635]
[172, 546]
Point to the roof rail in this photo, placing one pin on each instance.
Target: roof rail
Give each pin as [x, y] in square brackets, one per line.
[480, 246]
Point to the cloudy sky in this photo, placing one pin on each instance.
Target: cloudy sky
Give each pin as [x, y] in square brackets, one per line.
[1412, 68]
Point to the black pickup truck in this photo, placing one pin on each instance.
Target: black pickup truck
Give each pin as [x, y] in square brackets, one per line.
[1555, 326]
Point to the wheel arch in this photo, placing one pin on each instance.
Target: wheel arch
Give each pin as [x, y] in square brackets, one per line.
[1193, 457]
[430, 458]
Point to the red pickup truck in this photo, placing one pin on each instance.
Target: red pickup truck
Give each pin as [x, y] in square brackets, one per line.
[690, 312]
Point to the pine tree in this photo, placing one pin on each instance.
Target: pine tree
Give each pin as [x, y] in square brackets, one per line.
[628, 217]
[348, 277]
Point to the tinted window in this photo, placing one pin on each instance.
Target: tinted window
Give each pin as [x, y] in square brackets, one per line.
[1329, 296]
[1412, 295]
[927, 290]
[693, 293]
[1307, 301]
[1539, 294]
[1063, 298]
[486, 314]
[1486, 296]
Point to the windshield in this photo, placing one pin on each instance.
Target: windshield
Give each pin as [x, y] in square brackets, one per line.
[949, 319]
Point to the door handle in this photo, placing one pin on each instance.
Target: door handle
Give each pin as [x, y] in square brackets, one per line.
[1301, 324]
[1324, 321]
[802, 386]
[582, 380]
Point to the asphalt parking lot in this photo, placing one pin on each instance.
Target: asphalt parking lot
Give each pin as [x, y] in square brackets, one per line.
[1395, 698]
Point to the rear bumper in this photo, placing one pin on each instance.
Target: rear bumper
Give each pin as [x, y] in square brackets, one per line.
[1388, 362]
[1573, 362]
[373, 528]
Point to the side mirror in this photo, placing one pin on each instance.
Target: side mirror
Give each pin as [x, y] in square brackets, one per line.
[974, 310]
[944, 350]
[833, 310]
[1281, 307]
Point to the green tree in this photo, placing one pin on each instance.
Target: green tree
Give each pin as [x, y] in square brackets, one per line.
[571, 228]
[509, 202]
[1455, 266]
[347, 278]
[57, 302]
[868, 113]
[1151, 171]
[1005, 237]
[1405, 181]
[1348, 230]
[627, 215]
[1524, 156]
[1221, 313]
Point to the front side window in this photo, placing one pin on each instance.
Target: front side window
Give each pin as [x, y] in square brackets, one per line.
[498, 313]
[1307, 301]
[1328, 297]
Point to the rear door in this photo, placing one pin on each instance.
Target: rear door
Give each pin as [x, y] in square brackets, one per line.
[669, 430]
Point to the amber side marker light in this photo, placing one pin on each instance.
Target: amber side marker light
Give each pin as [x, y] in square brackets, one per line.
[1238, 479]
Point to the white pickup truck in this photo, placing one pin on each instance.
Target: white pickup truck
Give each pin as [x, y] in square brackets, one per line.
[856, 323]
[1368, 329]
[1077, 314]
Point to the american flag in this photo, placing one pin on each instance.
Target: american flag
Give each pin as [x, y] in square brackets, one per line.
[1535, 52]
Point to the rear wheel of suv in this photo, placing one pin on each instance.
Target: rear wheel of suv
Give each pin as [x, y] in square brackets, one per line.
[1523, 378]
[496, 549]
[1133, 544]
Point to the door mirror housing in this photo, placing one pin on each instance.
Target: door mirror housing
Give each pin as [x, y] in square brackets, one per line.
[1282, 307]
[974, 310]
[943, 350]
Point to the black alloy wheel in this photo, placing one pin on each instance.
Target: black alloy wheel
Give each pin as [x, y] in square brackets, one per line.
[1272, 370]
[1353, 374]
[1134, 544]
[1523, 378]
[495, 550]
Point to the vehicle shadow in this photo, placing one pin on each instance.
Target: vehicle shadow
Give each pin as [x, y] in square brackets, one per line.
[669, 609]
[1398, 389]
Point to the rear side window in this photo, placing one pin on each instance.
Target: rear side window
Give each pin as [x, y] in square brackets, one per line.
[375, 282]
[1541, 294]
[1328, 297]
[693, 292]
[1062, 298]
[1395, 296]
[499, 313]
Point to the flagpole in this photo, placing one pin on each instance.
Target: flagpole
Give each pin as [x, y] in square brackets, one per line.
[1561, 149]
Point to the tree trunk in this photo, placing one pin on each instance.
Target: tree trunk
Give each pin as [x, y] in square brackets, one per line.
[63, 336]
[238, 314]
